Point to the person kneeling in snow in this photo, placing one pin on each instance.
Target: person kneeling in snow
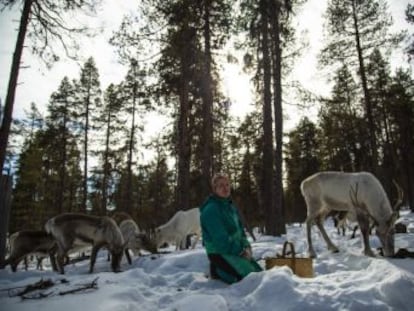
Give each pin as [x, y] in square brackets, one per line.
[225, 241]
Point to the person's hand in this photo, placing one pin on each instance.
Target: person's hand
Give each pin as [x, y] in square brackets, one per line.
[247, 253]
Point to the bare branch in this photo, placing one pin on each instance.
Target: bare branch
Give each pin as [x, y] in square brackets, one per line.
[92, 285]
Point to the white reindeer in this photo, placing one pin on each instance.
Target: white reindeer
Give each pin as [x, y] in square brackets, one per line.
[178, 227]
[361, 195]
[73, 230]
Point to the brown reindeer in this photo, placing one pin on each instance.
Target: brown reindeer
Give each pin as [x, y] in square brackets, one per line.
[73, 230]
[135, 240]
[30, 242]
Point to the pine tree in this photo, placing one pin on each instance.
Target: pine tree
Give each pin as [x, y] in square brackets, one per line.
[185, 81]
[266, 23]
[379, 80]
[409, 16]
[354, 28]
[401, 112]
[302, 160]
[340, 120]
[27, 211]
[88, 101]
[136, 104]
[215, 21]
[111, 123]
[44, 24]
[60, 121]
[38, 179]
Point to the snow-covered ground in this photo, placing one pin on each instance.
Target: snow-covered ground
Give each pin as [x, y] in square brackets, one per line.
[177, 281]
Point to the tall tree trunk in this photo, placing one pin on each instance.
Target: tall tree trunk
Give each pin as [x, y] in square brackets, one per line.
[128, 199]
[106, 167]
[278, 208]
[367, 98]
[184, 148]
[85, 152]
[267, 169]
[183, 183]
[207, 104]
[62, 172]
[5, 204]
[11, 89]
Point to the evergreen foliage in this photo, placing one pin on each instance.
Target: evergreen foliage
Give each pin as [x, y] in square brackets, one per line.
[87, 153]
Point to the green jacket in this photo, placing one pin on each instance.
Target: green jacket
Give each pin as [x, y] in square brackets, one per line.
[223, 234]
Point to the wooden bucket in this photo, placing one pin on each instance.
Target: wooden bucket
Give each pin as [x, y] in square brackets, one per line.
[302, 267]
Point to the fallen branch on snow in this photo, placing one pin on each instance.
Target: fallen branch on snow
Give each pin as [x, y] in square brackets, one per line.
[40, 285]
[92, 285]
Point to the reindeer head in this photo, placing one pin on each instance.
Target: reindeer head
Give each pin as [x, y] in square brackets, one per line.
[384, 227]
[145, 242]
[115, 242]
[385, 230]
[385, 233]
[117, 252]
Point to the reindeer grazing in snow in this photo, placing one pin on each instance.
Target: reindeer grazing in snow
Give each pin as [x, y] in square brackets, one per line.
[178, 227]
[76, 230]
[361, 195]
[135, 240]
[29, 242]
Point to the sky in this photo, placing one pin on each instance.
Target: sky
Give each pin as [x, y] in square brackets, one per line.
[36, 83]
[177, 281]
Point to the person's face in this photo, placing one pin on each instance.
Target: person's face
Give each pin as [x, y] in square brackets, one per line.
[222, 188]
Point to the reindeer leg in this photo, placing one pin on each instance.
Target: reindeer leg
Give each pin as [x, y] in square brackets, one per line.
[354, 232]
[128, 256]
[39, 264]
[363, 222]
[14, 262]
[26, 263]
[311, 251]
[53, 260]
[195, 241]
[95, 250]
[14, 266]
[63, 248]
[325, 236]
[60, 262]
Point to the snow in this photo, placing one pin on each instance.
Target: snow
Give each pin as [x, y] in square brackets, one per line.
[177, 281]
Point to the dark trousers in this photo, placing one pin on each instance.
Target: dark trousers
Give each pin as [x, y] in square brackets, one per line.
[217, 261]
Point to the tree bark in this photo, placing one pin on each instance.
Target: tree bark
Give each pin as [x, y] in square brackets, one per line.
[106, 165]
[207, 104]
[367, 98]
[278, 208]
[267, 168]
[128, 199]
[5, 203]
[184, 148]
[85, 151]
[14, 74]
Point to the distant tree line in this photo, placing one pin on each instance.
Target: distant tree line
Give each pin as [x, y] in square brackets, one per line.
[85, 154]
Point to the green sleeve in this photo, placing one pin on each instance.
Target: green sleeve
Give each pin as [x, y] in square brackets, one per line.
[245, 242]
[218, 239]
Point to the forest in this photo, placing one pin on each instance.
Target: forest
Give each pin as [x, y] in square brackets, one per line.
[85, 155]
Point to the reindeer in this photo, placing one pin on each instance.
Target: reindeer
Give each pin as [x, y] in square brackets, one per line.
[338, 191]
[73, 230]
[135, 240]
[178, 227]
[30, 242]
